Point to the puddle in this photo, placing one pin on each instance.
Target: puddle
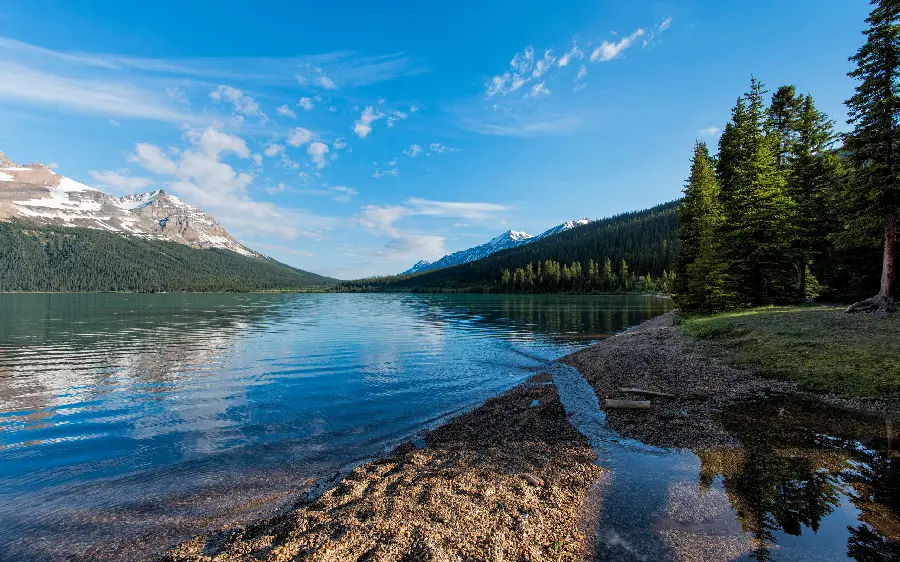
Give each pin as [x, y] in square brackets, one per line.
[807, 483]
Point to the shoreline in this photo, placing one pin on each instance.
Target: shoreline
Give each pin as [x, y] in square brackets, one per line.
[511, 479]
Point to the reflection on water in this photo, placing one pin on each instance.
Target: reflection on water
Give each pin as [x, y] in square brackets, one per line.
[130, 421]
[803, 467]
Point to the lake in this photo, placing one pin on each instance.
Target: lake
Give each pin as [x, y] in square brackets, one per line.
[128, 422]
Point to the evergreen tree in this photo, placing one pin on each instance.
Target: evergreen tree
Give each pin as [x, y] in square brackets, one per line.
[757, 230]
[700, 272]
[874, 144]
[813, 182]
[784, 116]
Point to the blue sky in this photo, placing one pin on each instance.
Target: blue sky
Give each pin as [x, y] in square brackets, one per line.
[353, 139]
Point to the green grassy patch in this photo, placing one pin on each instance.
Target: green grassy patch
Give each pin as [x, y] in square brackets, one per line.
[820, 348]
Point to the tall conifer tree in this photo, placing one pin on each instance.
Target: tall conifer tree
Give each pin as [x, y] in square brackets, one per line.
[813, 182]
[699, 280]
[756, 233]
[874, 144]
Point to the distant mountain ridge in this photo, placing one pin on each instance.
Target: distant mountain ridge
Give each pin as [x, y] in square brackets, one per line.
[37, 194]
[507, 240]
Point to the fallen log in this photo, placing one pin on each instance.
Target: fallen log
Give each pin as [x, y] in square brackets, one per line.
[626, 404]
[647, 392]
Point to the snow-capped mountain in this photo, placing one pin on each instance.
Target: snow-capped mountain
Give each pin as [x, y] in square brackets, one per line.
[35, 193]
[509, 239]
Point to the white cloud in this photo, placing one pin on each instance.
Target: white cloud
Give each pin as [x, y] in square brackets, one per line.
[286, 111]
[257, 159]
[566, 58]
[456, 209]
[326, 82]
[151, 158]
[363, 126]
[538, 90]
[305, 103]
[317, 151]
[657, 29]
[582, 73]
[543, 65]
[339, 144]
[114, 123]
[710, 131]
[298, 136]
[98, 97]
[119, 182]
[413, 150]
[438, 148]
[393, 116]
[379, 173]
[344, 193]
[381, 219]
[214, 142]
[608, 50]
[200, 176]
[240, 103]
[273, 149]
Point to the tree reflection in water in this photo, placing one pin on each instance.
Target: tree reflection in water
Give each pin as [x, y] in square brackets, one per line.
[798, 463]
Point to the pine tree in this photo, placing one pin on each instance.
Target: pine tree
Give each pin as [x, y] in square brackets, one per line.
[784, 116]
[757, 230]
[700, 271]
[874, 144]
[813, 182]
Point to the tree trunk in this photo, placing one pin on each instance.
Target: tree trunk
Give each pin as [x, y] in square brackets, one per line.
[884, 301]
[890, 247]
[802, 280]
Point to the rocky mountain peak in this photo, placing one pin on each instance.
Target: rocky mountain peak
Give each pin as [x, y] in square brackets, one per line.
[5, 162]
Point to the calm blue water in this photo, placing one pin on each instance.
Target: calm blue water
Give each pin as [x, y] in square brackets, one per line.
[128, 422]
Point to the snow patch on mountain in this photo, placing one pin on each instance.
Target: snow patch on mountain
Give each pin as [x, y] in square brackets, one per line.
[36, 193]
[509, 239]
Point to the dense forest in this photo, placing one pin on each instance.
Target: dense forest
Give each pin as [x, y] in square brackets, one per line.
[784, 212]
[644, 240]
[55, 258]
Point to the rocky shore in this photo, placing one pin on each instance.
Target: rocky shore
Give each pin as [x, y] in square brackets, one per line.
[503, 482]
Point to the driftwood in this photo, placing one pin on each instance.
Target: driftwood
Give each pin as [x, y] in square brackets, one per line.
[532, 479]
[647, 392]
[626, 404]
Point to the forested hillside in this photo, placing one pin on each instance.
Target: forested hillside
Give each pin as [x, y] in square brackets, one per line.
[53, 258]
[645, 240]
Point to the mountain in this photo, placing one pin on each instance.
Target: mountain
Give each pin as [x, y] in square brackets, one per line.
[59, 235]
[646, 240]
[37, 194]
[507, 240]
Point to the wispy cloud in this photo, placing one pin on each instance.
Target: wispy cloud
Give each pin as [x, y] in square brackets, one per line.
[286, 111]
[413, 150]
[241, 103]
[609, 50]
[118, 86]
[710, 131]
[454, 209]
[119, 182]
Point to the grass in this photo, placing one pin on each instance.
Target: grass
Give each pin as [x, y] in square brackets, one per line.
[820, 348]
